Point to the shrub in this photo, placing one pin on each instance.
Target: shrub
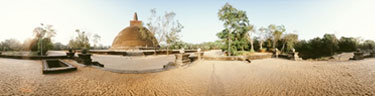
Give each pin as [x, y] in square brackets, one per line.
[348, 44]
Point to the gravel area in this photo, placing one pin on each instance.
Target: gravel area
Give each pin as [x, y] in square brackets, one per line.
[261, 77]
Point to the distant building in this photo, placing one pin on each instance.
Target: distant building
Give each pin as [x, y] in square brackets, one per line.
[134, 37]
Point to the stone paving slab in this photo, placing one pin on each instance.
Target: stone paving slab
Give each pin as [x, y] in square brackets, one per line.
[133, 63]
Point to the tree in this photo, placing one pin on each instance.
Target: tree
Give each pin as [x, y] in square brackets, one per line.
[154, 27]
[164, 28]
[59, 46]
[42, 40]
[95, 40]
[330, 44]
[317, 47]
[348, 44]
[263, 35]
[10, 45]
[367, 45]
[81, 41]
[289, 41]
[276, 32]
[236, 28]
[249, 38]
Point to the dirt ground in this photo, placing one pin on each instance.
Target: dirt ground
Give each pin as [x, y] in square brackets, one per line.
[261, 77]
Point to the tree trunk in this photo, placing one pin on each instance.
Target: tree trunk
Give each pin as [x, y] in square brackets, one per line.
[274, 44]
[155, 45]
[261, 44]
[252, 45]
[229, 41]
[282, 49]
[167, 49]
[154, 50]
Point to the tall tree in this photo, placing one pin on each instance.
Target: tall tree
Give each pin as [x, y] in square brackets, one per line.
[236, 28]
[277, 32]
[10, 45]
[348, 44]
[367, 45]
[165, 28]
[263, 35]
[81, 41]
[330, 44]
[288, 41]
[95, 40]
[251, 39]
[43, 35]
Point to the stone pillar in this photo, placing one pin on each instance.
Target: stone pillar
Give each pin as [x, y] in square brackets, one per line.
[372, 53]
[182, 59]
[85, 57]
[70, 54]
[295, 56]
[199, 54]
[276, 53]
[358, 55]
[182, 50]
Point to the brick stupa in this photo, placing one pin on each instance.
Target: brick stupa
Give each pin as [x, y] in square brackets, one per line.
[134, 37]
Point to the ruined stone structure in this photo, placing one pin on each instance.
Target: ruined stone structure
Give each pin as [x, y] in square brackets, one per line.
[358, 55]
[134, 37]
[182, 59]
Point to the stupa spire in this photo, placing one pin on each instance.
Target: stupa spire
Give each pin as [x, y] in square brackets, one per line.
[135, 20]
[135, 16]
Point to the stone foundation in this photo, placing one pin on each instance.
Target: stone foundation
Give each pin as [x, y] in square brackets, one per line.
[357, 56]
[182, 59]
[56, 66]
[85, 59]
[295, 57]
[372, 53]
[199, 55]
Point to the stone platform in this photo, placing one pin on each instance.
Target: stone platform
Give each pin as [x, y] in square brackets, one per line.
[137, 64]
[136, 52]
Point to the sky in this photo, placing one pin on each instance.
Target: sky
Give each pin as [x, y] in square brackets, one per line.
[307, 18]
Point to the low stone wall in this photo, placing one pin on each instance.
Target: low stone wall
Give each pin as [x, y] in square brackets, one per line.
[238, 58]
[182, 59]
[254, 57]
[137, 53]
[291, 56]
[33, 57]
[165, 68]
[52, 66]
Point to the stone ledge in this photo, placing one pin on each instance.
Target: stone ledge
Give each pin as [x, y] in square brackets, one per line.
[56, 66]
[33, 57]
[165, 68]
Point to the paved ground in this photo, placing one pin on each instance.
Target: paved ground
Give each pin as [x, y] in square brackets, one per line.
[131, 63]
[119, 62]
[261, 77]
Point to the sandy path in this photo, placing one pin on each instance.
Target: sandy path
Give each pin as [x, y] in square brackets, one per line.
[262, 77]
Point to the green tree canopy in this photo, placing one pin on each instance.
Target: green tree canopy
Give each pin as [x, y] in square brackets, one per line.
[43, 35]
[348, 44]
[236, 28]
[165, 28]
[81, 41]
[290, 40]
[276, 31]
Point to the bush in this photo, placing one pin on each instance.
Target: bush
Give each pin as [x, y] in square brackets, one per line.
[44, 45]
[10, 45]
[367, 45]
[316, 48]
[348, 44]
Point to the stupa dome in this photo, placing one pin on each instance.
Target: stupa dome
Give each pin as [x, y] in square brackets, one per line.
[134, 37]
